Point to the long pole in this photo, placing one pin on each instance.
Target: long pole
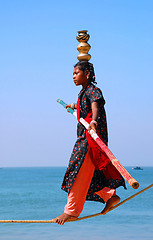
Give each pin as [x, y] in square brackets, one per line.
[133, 183]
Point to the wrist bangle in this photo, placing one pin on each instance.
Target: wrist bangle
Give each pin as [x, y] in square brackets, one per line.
[94, 121]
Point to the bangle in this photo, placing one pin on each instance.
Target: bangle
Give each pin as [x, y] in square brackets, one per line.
[94, 121]
[72, 105]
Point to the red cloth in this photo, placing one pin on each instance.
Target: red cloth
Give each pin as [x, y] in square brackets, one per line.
[98, 156]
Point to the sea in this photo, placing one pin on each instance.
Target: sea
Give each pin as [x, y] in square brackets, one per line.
[35, 194]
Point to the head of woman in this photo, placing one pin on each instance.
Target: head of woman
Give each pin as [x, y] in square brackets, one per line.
[83, 73]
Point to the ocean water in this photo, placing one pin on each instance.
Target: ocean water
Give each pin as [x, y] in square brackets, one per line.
[34, 193]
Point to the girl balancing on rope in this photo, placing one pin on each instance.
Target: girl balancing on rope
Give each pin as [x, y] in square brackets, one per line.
[90, 174]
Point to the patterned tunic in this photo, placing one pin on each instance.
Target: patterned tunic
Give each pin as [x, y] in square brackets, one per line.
[87, 96]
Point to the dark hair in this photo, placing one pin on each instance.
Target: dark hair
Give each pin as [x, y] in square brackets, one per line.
[84, 66]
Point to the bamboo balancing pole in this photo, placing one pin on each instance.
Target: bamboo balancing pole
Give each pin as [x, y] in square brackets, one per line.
[81, 218]
[133, 183]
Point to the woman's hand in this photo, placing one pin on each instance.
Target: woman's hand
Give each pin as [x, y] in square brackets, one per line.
[72, 106]
[92, 126]
[68, 106]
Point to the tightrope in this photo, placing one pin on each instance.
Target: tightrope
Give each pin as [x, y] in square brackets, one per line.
[81, 218]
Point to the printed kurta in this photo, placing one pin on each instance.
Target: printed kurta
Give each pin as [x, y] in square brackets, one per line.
[101, 178]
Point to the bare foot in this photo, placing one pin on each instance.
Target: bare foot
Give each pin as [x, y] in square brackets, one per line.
[110, 203]
[63, 218]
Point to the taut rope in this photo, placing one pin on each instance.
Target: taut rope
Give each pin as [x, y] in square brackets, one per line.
[78, 219]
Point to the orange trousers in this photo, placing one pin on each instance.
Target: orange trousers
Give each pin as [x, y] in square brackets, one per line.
[79, 190]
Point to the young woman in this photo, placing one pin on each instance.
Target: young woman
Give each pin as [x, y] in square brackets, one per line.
[90, 174]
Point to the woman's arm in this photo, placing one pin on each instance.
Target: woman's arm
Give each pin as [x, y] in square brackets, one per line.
[93, 124]
[94, 108]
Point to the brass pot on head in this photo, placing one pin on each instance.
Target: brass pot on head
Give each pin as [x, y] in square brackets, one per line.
[83, 46]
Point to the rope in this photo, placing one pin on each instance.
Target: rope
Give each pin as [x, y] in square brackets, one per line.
[117, 205]
[78, 219]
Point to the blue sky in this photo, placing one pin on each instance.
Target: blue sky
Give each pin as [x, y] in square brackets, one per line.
[38, 50]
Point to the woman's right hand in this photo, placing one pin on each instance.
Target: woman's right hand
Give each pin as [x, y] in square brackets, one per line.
[68, 106]
[72, 106]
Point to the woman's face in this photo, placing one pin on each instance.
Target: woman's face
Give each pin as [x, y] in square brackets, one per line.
[79, 77]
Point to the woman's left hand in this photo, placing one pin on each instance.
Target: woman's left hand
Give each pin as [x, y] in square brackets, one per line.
[92, 126]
